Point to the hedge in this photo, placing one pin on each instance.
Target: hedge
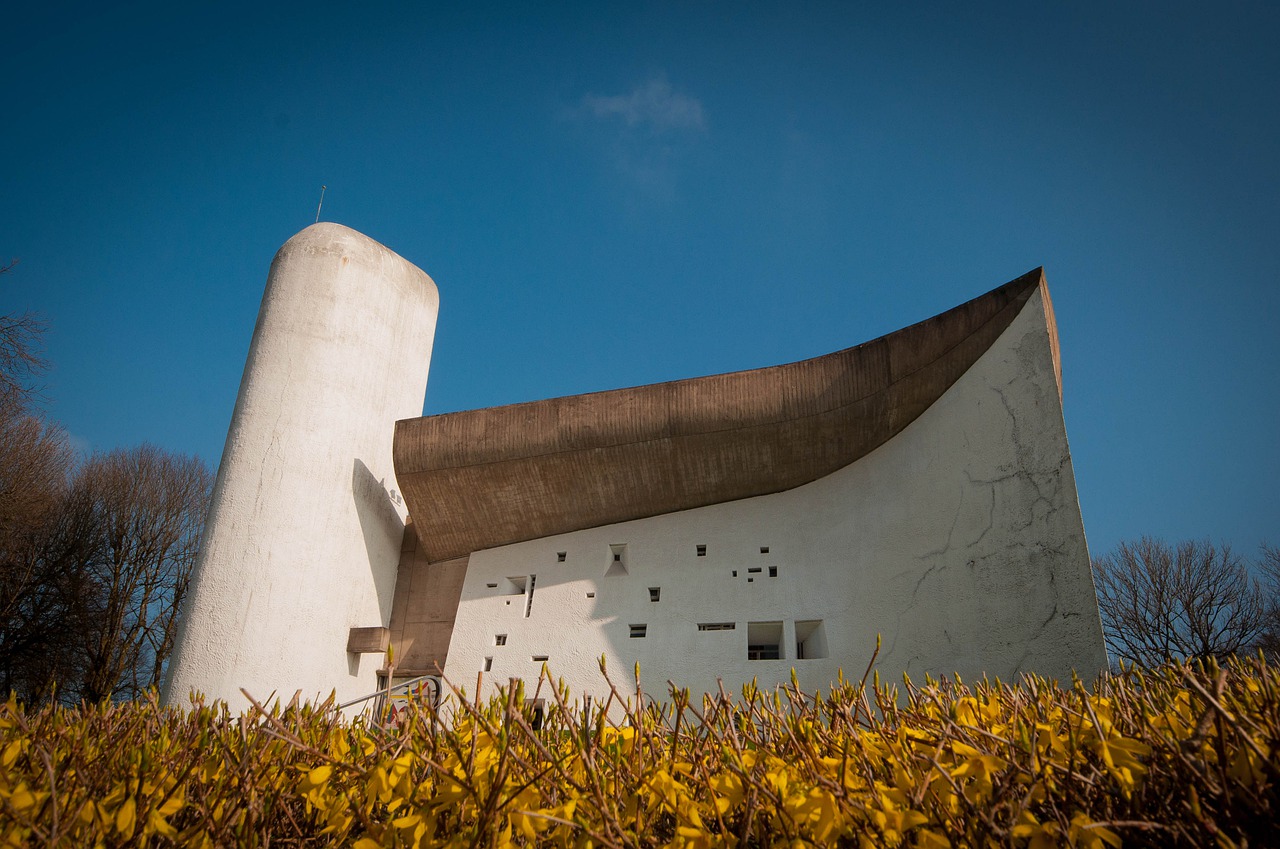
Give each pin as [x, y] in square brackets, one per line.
[1181, 756]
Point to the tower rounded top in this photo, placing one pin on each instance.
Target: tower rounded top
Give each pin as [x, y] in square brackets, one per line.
[347, 246]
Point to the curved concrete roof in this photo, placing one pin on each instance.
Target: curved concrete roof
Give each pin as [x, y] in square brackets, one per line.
[483, 478]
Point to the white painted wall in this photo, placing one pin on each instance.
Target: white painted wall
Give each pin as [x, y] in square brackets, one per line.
[304, 530]
[960, 541]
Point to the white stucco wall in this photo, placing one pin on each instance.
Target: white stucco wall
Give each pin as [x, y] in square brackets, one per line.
[960, 541]
[304, 531]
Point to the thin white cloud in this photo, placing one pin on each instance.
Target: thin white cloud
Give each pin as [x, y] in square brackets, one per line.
[654, 106]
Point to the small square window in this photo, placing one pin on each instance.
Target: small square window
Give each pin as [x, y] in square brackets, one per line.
[617, 561]
[702, 551]
[639, 631]
[560, 556]
[499, 639]
[764, 549]
[735, 573]
[773, 571]
[655, 593]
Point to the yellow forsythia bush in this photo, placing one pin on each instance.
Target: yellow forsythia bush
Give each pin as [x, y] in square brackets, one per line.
[1183, 756]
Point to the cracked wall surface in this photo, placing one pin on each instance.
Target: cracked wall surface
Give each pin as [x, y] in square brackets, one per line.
[959, 541]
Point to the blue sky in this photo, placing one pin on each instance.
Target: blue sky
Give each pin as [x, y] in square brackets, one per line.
[615, 194]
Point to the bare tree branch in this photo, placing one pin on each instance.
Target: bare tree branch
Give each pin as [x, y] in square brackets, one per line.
[149, 507]
[1193, 600]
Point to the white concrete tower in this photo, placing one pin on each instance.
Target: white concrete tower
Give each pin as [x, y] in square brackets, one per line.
[304, 530]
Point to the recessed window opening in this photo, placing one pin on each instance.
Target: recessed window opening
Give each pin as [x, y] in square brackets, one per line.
[811, 640]
[754, 570]
[591, 595]
[764, 640]
[735, 573]
[499, 639]
[773, 571]
[764, 549]
[488, 664]
[717, 626]
[639, 631]
[751, 580]
[655, 593]
[560, 556]
[536, 709]
[515, 586]
[702, 551]
[528, 599]
[617, 561]
[492, 586]
[540, 658]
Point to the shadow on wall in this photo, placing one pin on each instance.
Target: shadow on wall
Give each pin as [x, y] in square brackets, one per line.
[383, 532]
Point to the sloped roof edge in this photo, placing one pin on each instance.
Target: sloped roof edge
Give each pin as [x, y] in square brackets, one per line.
[483, 478]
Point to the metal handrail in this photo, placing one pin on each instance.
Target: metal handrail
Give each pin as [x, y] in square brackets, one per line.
[404, 686]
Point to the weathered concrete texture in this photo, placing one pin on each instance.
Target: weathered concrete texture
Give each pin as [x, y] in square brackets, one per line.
[490, 477]
[304, 530]
[959, 540]
[422, 615]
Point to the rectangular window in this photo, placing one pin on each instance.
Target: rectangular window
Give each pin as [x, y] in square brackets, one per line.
[754, 570]
[655, 593]
[716, 626]
[702, 551]
[764, 549]
[528, 600]
[493, 586]
[499, 639]
[540, 658]
[811, 640]
[536, 711]
[773, 571]
[488, 664]
[591, 595]
[560, 556]
[764, 640]
[638, 631]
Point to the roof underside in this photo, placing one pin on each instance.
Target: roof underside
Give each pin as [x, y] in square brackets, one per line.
[483, 478]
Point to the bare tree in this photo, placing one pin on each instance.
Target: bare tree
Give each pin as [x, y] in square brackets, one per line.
[93, 566]
[1269, 567]
[46, 591]
[95, 560]
[35, 461]
[21, 358]
[1194, 600]
[148, 509]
